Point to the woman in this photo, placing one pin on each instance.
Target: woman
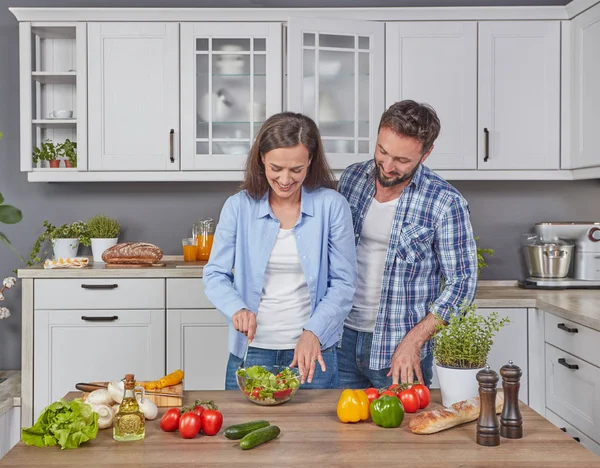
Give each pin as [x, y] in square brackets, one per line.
[288, 238]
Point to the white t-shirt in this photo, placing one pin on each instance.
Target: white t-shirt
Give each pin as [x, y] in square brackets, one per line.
[370, 255]
[284, 307]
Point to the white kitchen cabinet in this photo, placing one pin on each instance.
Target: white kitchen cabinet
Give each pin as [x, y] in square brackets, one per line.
[231, 81]
[519, 95]
[581, 93]
[573, 432]
[510, 343]
[10, 429]
[436, 63]
[336, 76]
[85, 345]
[133, 80]
[197, 343]
[197, 335]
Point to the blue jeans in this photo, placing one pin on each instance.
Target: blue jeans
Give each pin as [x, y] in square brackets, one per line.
[284, 357]
[353, 363]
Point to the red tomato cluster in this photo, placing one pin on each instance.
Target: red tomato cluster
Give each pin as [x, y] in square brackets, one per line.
[413, 396]
[193, 420]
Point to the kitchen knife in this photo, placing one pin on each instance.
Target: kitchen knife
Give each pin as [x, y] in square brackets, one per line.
[90, 387]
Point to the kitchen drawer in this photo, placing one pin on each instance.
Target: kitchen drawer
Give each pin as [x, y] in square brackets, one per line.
[576, 339]
[187, 293]
[96, 293]
[573, 394]
[559, 422]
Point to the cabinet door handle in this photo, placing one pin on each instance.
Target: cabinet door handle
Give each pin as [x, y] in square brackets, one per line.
[564, 429]
[562, 326]
[487, 144]
[99, 286]
[577, 439]
[171, 144]
[99, 319]
[563, 362]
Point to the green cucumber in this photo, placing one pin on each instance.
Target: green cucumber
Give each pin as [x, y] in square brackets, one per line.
[259, 436]
[238, 431]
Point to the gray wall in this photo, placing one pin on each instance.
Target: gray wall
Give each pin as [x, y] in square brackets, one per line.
[162, 213]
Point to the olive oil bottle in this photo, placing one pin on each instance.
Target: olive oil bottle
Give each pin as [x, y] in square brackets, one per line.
[129, 423]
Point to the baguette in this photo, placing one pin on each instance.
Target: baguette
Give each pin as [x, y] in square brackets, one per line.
[430, 422]
[132, 252]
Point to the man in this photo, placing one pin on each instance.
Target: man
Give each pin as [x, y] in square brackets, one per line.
[415, 250]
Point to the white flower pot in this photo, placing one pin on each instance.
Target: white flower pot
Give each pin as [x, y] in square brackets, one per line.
[65, 248]
[99, 245]
[457, 384]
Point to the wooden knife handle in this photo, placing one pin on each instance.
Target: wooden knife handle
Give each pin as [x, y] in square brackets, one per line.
[89, 387]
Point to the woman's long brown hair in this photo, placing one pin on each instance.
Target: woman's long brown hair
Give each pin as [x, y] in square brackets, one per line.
[286, 130]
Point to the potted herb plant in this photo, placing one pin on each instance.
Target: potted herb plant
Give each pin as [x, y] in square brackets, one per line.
[461, 349]
[64, 239]
[47, 152]
[104, 233]
[68, 150]
[480, 260]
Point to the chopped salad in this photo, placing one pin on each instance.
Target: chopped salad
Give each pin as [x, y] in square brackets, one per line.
[267, 387]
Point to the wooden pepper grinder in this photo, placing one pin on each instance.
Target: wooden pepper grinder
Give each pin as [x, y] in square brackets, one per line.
[488, 428]
[511, 421]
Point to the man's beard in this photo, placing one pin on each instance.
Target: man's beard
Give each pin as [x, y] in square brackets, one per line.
[384, 182]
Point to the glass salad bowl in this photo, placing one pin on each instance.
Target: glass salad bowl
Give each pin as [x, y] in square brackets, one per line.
[268, 385]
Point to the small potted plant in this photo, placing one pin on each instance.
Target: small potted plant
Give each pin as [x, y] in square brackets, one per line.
[64, 239]
[461, 349]
[47, 152]
[104, 233]
[68, 150]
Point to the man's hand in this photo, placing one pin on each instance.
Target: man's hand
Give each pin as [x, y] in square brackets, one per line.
[306, 356]
[244, 321]
[406, 362]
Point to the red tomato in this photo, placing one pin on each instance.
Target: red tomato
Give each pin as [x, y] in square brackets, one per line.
[394, 388]
[424, 395]
[256, 392]
[281, 394]
[388, 392]
[199, 410]
[170, 420]
[372, 394]
[212, 420]
[410, 400]
[189, 425]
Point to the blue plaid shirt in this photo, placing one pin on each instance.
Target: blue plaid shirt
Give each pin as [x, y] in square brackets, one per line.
[431, 242]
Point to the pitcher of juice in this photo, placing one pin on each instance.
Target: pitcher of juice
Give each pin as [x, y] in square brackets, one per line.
[204, 232]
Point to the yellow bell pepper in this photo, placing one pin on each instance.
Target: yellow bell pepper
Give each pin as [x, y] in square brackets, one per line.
[353, 406]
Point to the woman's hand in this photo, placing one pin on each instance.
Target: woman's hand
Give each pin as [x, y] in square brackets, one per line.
[244, 321]
[306, 355]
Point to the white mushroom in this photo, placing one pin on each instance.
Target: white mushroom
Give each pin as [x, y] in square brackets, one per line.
[116, 390]
[148, 407]
[105, 414]
[100, 397]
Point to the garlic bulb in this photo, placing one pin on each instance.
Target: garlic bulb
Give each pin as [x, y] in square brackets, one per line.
[99, 397]
[105, 414]
[116, 390]
[148, 407]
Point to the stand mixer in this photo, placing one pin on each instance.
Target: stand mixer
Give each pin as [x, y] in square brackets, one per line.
[582, 269]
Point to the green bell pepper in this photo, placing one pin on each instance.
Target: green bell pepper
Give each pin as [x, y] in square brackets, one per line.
[387, 411]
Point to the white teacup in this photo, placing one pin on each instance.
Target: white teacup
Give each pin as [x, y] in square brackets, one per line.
[61, 114]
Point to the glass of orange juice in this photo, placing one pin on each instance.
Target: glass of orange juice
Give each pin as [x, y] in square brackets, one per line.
[204, 232]
[190, 249]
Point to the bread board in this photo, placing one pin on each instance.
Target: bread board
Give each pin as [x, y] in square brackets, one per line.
[159, 400]
[134, 265]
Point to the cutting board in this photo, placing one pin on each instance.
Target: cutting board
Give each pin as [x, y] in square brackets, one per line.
[134, 265]
[159, 400]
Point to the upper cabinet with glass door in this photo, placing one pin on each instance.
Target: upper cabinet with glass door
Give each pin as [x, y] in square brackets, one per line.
[336, 77]
[231, 81]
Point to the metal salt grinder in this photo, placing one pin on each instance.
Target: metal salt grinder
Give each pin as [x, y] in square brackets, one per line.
[511, 421]
[488, 428]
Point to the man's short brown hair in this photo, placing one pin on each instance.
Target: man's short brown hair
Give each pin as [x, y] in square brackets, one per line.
[414, 120]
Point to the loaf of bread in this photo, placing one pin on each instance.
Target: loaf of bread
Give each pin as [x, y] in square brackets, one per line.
[429, 422]
[132, 252]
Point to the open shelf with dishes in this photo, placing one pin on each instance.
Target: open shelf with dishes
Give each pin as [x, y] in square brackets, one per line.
[53, 127]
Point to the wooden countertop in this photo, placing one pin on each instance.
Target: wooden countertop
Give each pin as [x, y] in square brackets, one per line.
[311, 434]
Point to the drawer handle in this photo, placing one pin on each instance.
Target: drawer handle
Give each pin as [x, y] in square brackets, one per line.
[564, 429]
[562, 326]
[99, 286]
[99, 319]
[577, 439]
[563, 362]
